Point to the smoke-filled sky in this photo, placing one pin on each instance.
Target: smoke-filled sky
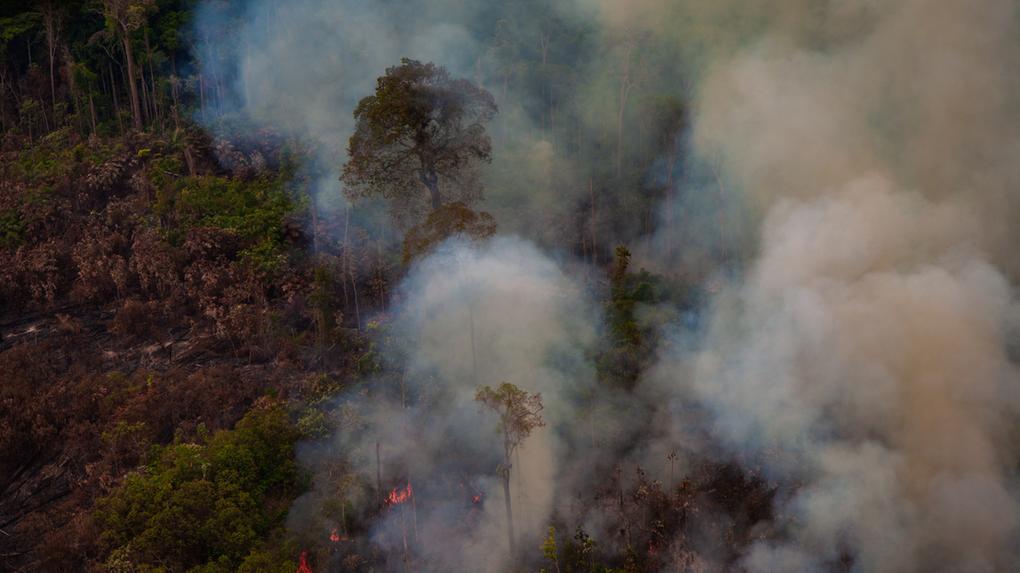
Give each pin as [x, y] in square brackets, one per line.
[863, 355]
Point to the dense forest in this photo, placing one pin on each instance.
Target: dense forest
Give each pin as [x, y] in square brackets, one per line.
[575, 286]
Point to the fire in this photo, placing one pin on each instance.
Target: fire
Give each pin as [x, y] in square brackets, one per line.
[477, 498]
[335, 536]
[303, 565]
[400, 495]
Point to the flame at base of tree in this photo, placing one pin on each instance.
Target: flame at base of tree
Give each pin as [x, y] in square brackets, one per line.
[400, 495]
[303, 564]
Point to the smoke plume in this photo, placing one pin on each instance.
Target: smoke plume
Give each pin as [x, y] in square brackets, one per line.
[865, 355]
[858, 349]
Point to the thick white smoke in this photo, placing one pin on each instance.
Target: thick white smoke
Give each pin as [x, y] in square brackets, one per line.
[865, 356]
[472, 315]
[504, 312]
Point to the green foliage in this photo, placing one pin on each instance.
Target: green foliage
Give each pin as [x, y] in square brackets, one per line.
[273, 560]
[17, 25]
[55, 158]
[12, 229]
[421, 128]
[519, 412]
[255, 209]
[203, 507]
[549, 550]
[629, 343]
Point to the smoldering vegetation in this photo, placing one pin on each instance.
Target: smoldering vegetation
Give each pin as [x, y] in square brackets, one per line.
[813, 374]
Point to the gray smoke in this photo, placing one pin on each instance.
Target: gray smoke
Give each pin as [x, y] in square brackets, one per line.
[859, 351]
[865, 356]
[472, 315]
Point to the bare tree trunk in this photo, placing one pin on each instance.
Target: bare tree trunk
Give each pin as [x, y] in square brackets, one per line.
[72, 86]
[431, 182]
[378, 475]
[671, 200]
[544, 44]
[116, 106]
[49, 18]
[92, 112]
[152, 76]
[379, 274]
[350, 271]
[474, 357]
[403, 534]
[136, 108]
[594, 243]
[3, 101]
[625, 85]
[357, 306]
[201, 93]
[509, 510]
[315, 226]
[343, 270]
[146, 114]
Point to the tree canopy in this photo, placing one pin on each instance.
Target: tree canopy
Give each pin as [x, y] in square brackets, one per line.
[519, 414]
[418, 138]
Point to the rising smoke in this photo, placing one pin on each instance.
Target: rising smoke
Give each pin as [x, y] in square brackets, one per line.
[471, 315]
[862, 359]
[866, 354]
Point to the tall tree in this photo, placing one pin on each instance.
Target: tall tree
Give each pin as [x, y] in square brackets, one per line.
[51, 17]
[124, 17]
[519, 413]
[422, 130]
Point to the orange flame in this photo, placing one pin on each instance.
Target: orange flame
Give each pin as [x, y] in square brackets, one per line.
[477, 498]
[303, 566]
[400, 495]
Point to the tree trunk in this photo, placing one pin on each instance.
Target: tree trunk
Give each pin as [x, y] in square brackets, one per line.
[152, 76]
[431, 182]
[671, 200]
[92, 112]
[625, 85]
[201, 94]
[314, 208]
[50, 21]
[146, 113]
[547, 92]
[72, 86]
[350, 271]
[136, 107]
[594, 241]
[378, 477]
[116, 105]
[474, 356]
[3, 102]
[509, 510]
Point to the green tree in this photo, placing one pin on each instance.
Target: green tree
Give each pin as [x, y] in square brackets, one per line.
[549, 549]
[123, 18]
[422, 130]
[519, 413]
[630, 341]
[204, 505]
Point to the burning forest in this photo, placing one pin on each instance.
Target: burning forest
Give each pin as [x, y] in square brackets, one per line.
[574, 286]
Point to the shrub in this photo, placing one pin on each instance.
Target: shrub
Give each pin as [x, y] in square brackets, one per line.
[204, 505]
